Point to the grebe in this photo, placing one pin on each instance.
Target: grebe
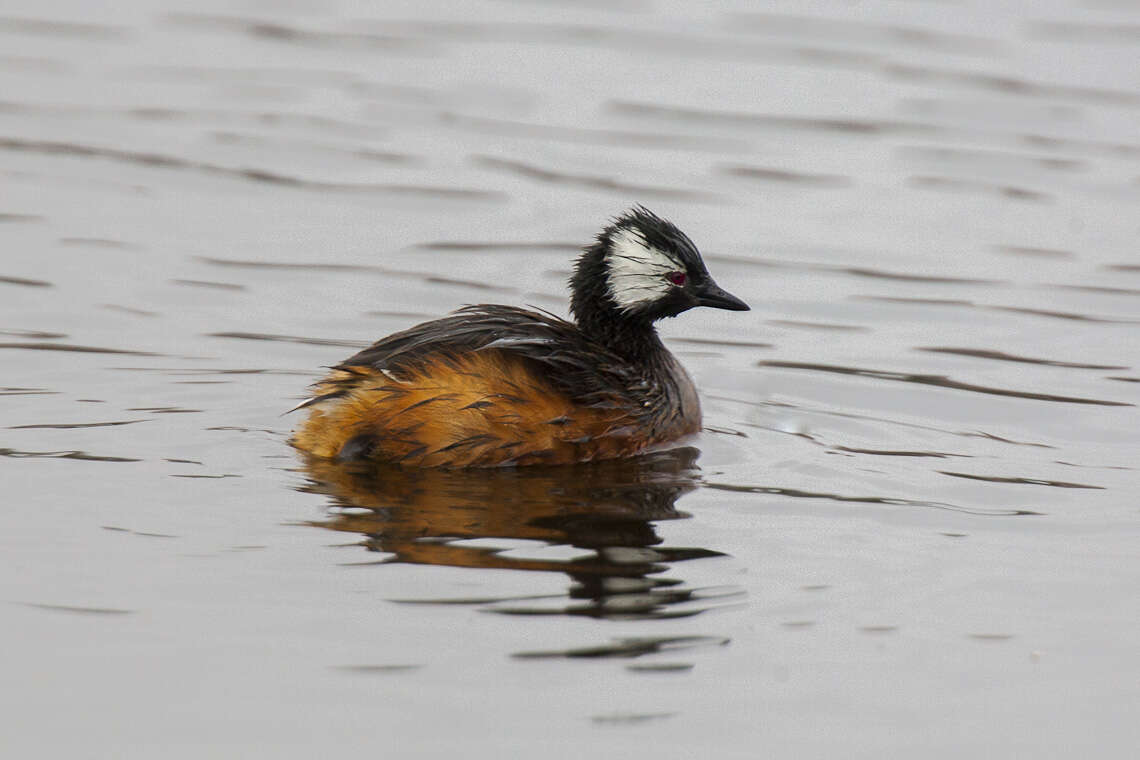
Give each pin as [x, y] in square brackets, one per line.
[493, 385]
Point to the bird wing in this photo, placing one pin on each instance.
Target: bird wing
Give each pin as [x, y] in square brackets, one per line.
[585, 371]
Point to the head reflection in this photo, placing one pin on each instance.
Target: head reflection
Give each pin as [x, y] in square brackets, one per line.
[606, 509]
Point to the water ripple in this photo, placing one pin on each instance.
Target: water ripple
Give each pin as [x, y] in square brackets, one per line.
[817, 325]
[593, 136]
[212, 116]
[77, 609]
[769, 174]
[1020, 481]
[276, 31]
[630, 718]
[264, 141]
[797, 493]
[373, 670]
[1097, 289]
[978, 353]
[73, 425]
[628, 38]
[292, 339]
[1071, 316]
[303, 266]
[1041, 253]
[593, 182]
[162, 161]
[1008, 84]
[721, 342]
[941, 381]
[685, 114]
[45, 28]
[25, 282]
[849, 31]
[209, 284]
[989, 158]
[504, 246]
[868, 272]
[1086, 32]
[74, 348]
[971, 185]
[632, 647]
[1067, 315]
[896, 453]
[27, 392]
[869, 417]
[80, 455]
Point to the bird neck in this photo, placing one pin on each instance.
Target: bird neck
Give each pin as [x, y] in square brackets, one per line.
[631, 338]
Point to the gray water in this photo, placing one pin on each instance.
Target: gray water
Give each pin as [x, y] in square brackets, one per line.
[910, 526]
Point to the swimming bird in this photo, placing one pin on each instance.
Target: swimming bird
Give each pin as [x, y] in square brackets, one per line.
[492, 385]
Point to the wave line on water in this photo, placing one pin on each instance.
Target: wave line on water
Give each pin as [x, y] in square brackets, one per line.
[80, 455]
[74, 348]
[164, 161]
[1020, 481]
[941, 381]
[979, 353]
[797, 493]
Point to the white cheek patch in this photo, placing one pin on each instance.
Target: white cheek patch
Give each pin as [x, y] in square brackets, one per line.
[637, 270]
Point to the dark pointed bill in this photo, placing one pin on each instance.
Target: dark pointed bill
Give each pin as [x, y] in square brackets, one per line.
[712, 295]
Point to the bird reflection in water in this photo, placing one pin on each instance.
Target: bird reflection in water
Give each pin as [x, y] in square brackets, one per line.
[608, 509]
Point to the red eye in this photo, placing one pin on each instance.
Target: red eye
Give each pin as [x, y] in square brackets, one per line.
[677, 278]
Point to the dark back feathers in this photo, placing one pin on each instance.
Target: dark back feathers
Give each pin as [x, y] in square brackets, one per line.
[561, 353]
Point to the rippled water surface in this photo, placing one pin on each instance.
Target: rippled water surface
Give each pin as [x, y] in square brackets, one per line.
[909, 529]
